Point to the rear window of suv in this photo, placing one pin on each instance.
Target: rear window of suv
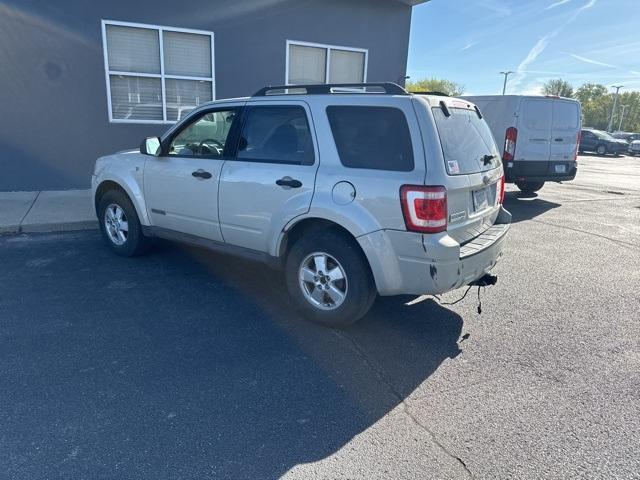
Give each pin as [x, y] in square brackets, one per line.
[467, 142]
[377, 138]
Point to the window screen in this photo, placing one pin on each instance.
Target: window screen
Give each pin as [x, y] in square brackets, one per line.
[372, 137]
[276, 135]
[346, 66]
[316, 63]
[307, 65]
[141, 87]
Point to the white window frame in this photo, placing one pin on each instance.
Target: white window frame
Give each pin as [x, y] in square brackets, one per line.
[162, 76]
[328, 47]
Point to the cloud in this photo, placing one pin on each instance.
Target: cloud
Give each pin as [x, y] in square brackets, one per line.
[542, 43]
[496, 7]
[591, 61]
[557, 4]
[468, 46]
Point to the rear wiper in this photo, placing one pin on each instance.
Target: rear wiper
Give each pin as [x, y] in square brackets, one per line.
[487, 159]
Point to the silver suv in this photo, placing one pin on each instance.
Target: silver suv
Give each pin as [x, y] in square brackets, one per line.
[354, 190]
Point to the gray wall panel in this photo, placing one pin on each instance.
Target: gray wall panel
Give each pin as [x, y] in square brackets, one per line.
[53, 104]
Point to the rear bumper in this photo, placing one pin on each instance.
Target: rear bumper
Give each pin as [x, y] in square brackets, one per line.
[414, 264]
[540, 170]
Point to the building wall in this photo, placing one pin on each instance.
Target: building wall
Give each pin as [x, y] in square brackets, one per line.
[53, 105]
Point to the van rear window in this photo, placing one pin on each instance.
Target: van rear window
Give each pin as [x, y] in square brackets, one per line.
[371, 137]
[467, 143]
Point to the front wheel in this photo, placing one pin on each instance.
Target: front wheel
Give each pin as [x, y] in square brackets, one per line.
[329, 279]
[120, 225]
[529, 187]
[601, 150]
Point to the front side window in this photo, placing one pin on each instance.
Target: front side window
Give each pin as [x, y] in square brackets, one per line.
[278, 134]
[311, 63]
[372, 137]
[156, 74]
[205, 137]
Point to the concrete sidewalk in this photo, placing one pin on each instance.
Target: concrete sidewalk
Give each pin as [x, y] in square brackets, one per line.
[46, 211]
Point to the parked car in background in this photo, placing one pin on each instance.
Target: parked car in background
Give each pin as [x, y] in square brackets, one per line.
[539, 136]
[626, 136]
[602, 143]
[634, 148]
[351, 194]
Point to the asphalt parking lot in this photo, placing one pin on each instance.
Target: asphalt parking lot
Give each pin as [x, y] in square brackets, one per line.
[185, 364]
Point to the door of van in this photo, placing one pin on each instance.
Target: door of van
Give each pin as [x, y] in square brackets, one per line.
[534, 133]
[564, 133]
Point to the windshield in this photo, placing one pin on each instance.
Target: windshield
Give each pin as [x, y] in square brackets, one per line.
[603, 135]
[467, 143]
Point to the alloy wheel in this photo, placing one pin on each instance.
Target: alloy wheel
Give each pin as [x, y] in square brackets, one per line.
[116, 224]
[323, 281]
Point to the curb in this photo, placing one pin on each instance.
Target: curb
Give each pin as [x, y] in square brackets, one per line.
[49, 227]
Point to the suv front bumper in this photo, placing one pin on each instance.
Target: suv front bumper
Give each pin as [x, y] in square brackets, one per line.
[408, 263]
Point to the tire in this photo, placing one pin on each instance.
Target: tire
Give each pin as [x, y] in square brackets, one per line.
[529, 187]
[127, 243]
[601, 150]
[341, 257]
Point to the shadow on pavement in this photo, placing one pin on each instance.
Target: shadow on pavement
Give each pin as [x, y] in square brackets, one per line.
[525, 207]
[185, 364]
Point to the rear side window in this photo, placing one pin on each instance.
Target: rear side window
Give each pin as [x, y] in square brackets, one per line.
[467, 142]
[377, 138]
[565, 116]
[276, 134]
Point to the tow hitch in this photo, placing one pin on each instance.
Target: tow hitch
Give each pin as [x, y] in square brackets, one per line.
[484, 281]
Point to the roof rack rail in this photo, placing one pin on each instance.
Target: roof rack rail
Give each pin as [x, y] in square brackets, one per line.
[388, 88]
[439, 94]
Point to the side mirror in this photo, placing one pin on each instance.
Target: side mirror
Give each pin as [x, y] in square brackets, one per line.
[151, 146]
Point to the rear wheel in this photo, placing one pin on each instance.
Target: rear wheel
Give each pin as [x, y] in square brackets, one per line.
[120, 225]
[601, 150]
[329, 279]
[529, 187]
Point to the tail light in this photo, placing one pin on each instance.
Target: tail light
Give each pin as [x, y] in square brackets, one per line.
[501, 191]
[575, 154]
[424, 208]
[510, 139]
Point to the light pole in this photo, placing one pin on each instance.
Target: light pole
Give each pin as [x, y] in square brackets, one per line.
[506, 75]
[624, 109]
[615, 104]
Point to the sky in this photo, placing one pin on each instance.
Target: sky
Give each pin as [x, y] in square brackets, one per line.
[471, 41]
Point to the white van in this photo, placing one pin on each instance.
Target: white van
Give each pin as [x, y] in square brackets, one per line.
[540, 136]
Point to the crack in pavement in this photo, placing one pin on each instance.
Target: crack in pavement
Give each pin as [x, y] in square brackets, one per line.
[620, 242]
[405, 407]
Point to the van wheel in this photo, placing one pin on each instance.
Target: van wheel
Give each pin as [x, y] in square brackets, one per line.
[601, 150]
[329, 279]
[529, 187]
[120, 225]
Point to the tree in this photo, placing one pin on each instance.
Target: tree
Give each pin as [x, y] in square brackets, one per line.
[597, 103]
[558, 87]
[436, 85]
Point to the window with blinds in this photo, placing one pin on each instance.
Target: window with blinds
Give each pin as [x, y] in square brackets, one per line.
[156, 74]
[310, 63]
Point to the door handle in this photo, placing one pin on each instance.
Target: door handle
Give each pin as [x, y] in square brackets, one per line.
[289, 182]
[200, 173]
[558, 139]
